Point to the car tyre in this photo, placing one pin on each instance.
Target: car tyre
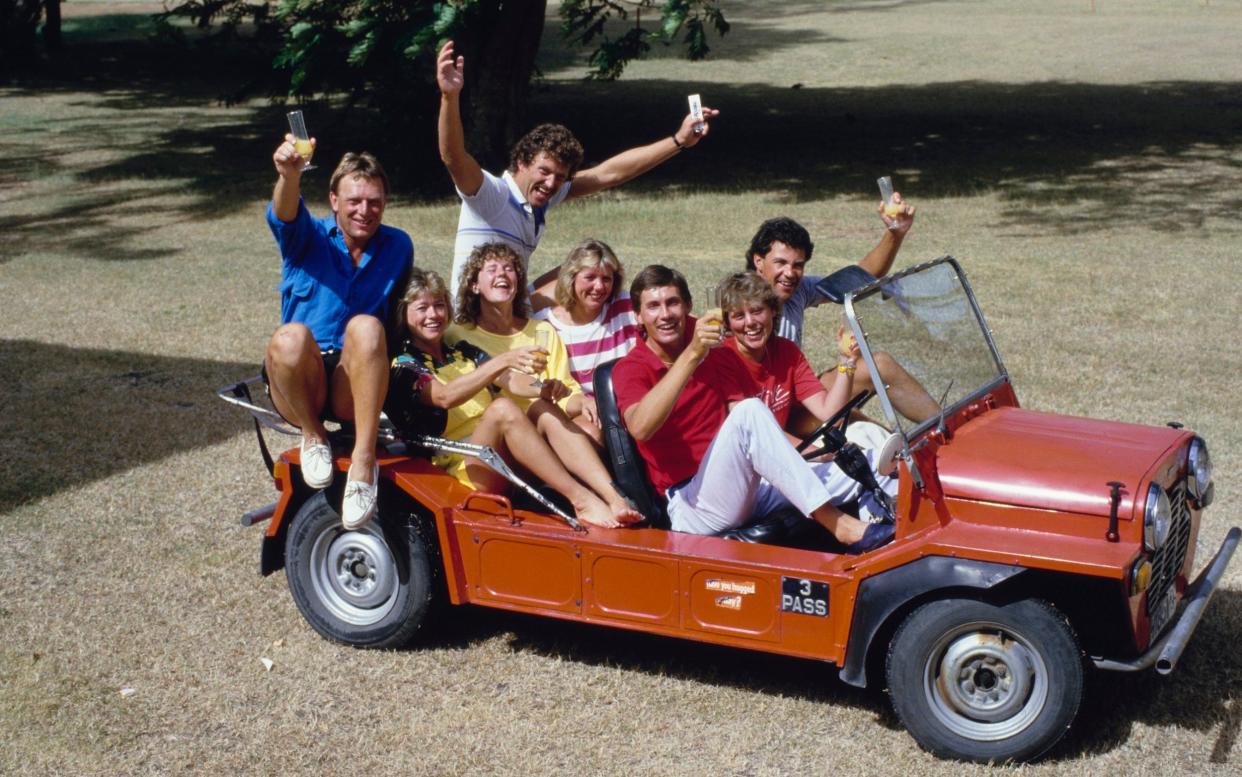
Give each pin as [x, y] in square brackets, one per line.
[990, 683]
[373, 587]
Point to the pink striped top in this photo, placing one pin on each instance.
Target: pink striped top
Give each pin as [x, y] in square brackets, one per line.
[610, 336]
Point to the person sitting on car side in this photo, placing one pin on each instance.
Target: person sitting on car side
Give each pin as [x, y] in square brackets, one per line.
[593, 317]
[450, 391]
[712, 448]
[780, 250]
[329, 358]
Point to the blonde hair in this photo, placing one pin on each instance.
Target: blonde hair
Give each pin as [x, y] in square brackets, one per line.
[469, 302]
[362, 165]
[743, 287]
[587, 254]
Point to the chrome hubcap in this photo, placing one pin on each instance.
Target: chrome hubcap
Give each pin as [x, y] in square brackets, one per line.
[354, 574]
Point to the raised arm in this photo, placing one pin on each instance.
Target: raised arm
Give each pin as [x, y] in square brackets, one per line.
[465, 170]
[288, 179]
[631, 163]
[879, 260]
[645, 417]
[825, 403]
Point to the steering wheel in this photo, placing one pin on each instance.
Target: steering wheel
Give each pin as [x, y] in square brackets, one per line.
[841, 418]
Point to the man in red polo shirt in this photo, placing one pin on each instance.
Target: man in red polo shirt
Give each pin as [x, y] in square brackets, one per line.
[717, 456]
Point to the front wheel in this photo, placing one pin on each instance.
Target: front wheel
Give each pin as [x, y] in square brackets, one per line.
[368, 588]
[981, 682]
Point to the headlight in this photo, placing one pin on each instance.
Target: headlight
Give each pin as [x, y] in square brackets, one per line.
[1157, 518]
[1200, 475]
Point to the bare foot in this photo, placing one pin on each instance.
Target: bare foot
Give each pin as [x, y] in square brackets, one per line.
[622, 512]
[594, 511]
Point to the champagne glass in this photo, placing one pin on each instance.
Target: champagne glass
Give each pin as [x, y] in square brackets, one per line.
[301, 139]
[543, 339]
[711, 304]
[891, 209]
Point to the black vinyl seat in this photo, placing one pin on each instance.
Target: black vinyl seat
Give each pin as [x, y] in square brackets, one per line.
[629, 471]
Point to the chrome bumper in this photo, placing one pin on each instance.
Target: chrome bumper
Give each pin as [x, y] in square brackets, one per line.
[1164, 653]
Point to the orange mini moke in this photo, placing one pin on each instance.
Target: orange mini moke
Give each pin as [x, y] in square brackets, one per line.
[1030, 547]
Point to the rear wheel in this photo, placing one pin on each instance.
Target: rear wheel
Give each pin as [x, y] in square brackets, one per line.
[981, 682]
[368, 588]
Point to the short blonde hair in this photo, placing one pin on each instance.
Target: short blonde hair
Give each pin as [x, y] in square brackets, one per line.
[587, 254]
[423, 282]
[469, 302]
[362, 165]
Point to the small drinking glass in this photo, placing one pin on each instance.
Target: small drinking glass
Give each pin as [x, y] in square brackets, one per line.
[711, 304]
[543, 339]
[301, 139]
[891, 209]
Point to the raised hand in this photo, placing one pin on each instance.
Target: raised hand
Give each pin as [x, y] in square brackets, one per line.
[450, 70]
[288, 161]
[685, 134]
[899, 216]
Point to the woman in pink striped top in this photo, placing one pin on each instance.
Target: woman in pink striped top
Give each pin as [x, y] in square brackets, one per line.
[592, 315]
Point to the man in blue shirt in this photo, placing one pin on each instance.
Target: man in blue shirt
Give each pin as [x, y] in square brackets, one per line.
[329, 358]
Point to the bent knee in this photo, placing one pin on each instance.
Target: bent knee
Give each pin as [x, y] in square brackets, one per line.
[503, 409]
[364, 331]
[290, 344]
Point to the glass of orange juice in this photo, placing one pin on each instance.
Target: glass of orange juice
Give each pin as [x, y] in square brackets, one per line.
[711, 304]
[891, 209]
[301, 139]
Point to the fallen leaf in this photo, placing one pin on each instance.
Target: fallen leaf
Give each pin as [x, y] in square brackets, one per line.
[267, 663]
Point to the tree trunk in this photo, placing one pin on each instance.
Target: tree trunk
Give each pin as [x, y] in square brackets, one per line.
[500, 57]
[51, 27]
[19, 24]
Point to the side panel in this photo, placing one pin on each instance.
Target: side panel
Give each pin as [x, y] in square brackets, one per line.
[631, 586]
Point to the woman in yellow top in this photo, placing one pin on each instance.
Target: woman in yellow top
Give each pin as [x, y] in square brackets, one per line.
[448, 390]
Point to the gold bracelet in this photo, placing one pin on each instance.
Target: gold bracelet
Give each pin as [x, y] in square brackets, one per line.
[846, 369]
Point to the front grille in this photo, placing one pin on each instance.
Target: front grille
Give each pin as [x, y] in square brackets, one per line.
[1168, 561]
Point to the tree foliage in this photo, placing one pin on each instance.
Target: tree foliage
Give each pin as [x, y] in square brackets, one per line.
[382, 51]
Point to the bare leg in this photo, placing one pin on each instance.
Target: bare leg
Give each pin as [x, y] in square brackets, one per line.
[908, 396]
[504, 423]
[577, 451]
[296, 379]
[594, 432]
[358, 388]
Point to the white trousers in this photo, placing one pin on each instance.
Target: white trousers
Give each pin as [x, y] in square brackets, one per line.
[751, 469]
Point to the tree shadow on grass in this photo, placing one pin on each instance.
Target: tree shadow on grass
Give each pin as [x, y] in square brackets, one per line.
[1064, 158]
[1201, 695]
[76, 415]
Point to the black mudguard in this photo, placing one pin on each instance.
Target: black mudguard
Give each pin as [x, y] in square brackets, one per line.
[882, 595]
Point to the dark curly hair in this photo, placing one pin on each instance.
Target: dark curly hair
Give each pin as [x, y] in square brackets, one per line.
[778, 230]
[469, 302]
[553, 139]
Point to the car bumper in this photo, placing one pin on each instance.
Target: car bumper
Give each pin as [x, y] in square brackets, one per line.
[1165, 652]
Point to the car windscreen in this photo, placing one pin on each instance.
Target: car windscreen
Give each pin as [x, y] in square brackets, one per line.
[926, 320]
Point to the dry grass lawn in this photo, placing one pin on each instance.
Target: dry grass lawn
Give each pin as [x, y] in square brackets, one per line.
[1085, 167]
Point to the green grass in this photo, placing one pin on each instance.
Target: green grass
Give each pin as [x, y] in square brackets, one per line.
[1083, 166]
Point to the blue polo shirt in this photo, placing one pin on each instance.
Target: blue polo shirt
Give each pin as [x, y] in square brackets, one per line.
[319, 284]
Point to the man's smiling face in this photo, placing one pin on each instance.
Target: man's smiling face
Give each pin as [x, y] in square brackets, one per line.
[540, 179]
[783, 267]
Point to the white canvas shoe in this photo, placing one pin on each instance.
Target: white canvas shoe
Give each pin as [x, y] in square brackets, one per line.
[317, 467]
[360, 501]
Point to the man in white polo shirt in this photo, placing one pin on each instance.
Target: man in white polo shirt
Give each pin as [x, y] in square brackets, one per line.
[543, 172]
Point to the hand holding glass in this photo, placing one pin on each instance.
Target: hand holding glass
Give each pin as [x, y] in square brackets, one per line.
[543, 339]
[891, 209]
[711, 301]
[301, 139]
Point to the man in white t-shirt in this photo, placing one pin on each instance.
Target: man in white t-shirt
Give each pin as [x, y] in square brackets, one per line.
[543, 172]
[779, 252]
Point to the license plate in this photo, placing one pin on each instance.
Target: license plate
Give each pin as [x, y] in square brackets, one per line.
[1164, 612]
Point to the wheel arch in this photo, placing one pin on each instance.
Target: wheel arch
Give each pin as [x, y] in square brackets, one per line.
[391, 495]
[884, 600]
